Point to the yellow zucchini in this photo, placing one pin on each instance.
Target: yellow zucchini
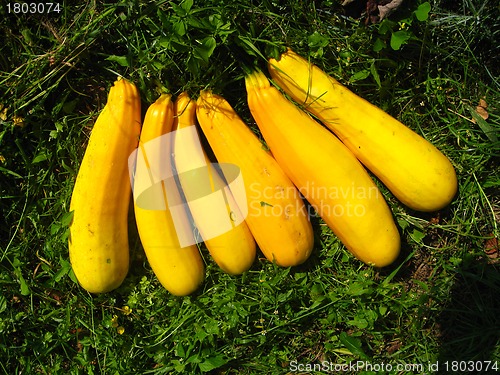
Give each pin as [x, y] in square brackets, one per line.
[98, 241]
[414, 170]
[233, 251]
[179, 269]
[277, 216]
[326, 173]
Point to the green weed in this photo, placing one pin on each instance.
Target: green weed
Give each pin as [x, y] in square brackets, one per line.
[438, 302]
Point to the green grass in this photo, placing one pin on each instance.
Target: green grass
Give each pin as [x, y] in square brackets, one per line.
[438, 302]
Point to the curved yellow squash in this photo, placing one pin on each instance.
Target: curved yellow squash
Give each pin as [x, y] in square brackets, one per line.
[415, 171]
[98, 241]
[277, 216]
[179, 269]
[233, 251]
[326, 173]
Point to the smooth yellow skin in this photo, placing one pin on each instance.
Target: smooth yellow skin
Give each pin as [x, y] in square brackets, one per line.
[233, 251]
[98, 241]
[277, 216]
[415, 171]
[326, 173]
[179, 269]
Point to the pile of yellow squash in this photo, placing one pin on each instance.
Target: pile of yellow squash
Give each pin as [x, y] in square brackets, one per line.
[324, 159]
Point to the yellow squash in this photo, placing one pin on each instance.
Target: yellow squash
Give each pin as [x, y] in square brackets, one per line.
[326, 173]
[234, 251]
[414, 170]
[98, 241]
[277, 216]
[179, 269]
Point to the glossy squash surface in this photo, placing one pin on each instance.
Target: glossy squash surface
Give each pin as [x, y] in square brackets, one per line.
[98, 241]
[277, 216]
[326, 173]
[414, 170]
[234, 250]
[180, 269]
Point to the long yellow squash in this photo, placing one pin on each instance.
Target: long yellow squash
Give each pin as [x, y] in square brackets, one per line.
[98, 241]
[277, 216]
[414, 170]
[233, 251]
[179, 269]
[326, 173]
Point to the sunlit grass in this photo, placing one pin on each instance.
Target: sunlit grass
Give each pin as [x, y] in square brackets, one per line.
[439, 301]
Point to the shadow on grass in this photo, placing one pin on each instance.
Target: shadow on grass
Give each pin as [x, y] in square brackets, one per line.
[470, 323]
